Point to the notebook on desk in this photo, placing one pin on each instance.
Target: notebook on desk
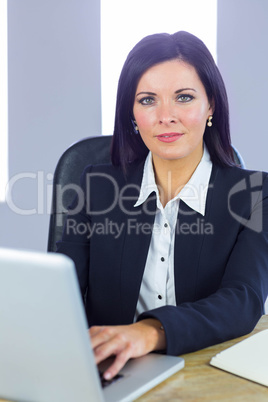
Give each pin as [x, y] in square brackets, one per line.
[247, 358]
[45, 351]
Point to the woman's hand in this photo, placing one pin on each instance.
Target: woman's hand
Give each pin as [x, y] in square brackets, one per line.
[125, 342]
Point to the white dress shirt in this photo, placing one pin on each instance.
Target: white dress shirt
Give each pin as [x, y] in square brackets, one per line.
[158, 287]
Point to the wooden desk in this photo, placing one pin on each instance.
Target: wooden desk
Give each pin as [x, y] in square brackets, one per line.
[199, 381]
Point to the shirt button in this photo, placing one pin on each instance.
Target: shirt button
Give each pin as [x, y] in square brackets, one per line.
[159, 297]
[166, 225]
[162, 259]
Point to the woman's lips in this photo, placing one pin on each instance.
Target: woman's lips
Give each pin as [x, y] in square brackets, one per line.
[169, 137]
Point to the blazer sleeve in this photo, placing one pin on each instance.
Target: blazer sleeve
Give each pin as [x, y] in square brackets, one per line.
[235, 308]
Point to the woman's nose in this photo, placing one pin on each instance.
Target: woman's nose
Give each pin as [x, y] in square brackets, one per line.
[167, 114]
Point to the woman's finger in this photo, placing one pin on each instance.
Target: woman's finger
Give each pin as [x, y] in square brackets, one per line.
[117, 364]
[102, 335]
[113, 346]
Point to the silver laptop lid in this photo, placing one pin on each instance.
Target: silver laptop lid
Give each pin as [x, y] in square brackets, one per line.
[44, 343]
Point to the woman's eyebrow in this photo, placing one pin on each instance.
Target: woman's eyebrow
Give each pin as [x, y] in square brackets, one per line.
[146, 93]
[184, 89]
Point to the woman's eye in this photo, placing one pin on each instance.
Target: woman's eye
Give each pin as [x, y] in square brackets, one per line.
[146, 101]
[184, 98]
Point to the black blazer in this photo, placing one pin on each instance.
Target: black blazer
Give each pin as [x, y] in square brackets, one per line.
[221, 259]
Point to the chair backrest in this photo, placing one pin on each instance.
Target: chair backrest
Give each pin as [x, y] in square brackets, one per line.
[91, 150]
[88, 151]
[238, 158]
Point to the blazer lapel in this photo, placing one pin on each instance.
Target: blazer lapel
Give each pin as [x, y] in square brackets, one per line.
[191, 230]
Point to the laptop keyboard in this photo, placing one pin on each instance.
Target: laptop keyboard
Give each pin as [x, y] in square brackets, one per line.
[105, 383]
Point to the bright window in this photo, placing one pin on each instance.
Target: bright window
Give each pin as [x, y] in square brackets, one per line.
[3, 100]
[124, 23]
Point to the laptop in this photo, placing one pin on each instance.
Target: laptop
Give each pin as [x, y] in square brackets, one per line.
[45, 351]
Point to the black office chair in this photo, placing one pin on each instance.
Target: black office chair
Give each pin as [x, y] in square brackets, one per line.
[91, 150]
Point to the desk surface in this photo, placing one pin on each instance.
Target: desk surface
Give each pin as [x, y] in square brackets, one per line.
[199, 381]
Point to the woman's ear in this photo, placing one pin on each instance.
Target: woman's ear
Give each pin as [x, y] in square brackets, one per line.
[212, 106]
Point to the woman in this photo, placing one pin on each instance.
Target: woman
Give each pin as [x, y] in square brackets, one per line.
[174, 257]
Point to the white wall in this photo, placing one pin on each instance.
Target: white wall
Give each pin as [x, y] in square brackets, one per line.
[243, 61]
[54, 100]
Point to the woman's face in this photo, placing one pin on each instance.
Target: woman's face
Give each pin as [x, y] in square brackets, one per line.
[171, 109]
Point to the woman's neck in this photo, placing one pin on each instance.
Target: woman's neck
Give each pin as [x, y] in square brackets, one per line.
[172, 175]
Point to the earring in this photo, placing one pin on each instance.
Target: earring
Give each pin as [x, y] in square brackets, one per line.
[135, 125]
[209, 122]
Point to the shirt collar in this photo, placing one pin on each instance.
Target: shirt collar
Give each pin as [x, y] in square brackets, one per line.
[194, 193]
[148, 184]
